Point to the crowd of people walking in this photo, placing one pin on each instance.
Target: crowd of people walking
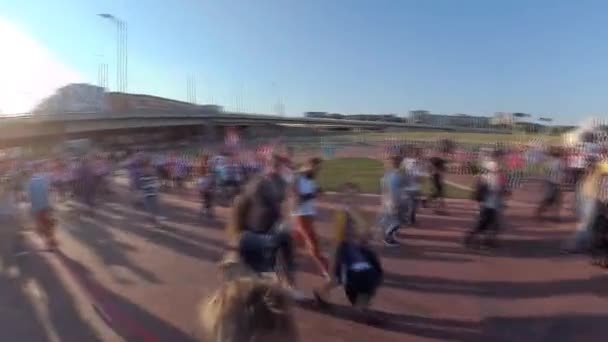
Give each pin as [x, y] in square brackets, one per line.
[272, 199]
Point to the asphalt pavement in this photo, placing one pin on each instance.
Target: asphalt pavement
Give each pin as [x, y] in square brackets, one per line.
[147, 281]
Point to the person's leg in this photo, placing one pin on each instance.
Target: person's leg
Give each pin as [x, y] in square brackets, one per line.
[45, 227]
[306, 227]
[588, 211]
[150, 206]
[50, 229]
[205, 196]
[492, 229]
[414, 208]
[546, 201]
[481, 225]
[284, 250]
[391, 225]
[558, 202]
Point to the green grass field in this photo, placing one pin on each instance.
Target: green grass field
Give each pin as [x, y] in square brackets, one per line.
[366, 173]
[465, 137]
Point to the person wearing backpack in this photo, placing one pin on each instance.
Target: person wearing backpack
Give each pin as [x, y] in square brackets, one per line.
[356, 267]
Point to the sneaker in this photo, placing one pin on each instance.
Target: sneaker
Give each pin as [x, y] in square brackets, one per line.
[390, 242]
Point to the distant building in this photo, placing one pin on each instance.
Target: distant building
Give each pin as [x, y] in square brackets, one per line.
[502, 119]
[419, 115]
[457, 120]
[86, 98]
[74, 98]
[315, 114]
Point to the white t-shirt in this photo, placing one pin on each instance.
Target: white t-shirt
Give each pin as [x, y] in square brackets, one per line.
[577, 161]
[555, 171]
[410, 165]
[305, 186]
[288, 175]
[493, 197]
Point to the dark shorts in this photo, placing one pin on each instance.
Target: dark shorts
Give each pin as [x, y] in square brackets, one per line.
[361, 283]
[552, 193]
[437, 187]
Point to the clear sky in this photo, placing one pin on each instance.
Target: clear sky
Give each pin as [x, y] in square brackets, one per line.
[546, 57]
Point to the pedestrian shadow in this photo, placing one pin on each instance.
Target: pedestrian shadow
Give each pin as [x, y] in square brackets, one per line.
[112, 252]
[435, 328]
[20, 319]
[563, 328]
[499, 289]
[426, 253]
[530, 248]
[534, 245]
[174, 219]
[127, 319]
[175, 239]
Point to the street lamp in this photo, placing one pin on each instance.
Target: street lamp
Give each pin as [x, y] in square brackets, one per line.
[121, 51]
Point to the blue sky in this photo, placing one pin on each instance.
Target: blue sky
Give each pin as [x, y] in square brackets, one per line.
[348, 56]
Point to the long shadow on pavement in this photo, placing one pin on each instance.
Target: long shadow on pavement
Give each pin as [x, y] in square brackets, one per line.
[437, 328]
[104, 244]
[563, 328]
[178, 240]
[128, 319]
[64, 318]
[499, 289]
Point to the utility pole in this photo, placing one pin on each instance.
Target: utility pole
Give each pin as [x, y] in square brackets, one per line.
[121, 51]
[191, 89]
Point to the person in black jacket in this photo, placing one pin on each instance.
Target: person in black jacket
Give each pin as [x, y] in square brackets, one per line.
[256, 225]
[437, 171]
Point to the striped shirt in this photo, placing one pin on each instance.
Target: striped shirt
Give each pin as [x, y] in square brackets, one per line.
[149, 185]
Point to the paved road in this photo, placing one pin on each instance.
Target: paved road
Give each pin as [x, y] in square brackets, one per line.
[150, 280]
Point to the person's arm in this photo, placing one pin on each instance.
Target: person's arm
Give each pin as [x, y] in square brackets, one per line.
[339, 226]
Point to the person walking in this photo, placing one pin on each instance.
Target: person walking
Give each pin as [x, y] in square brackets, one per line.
[38, 190]
[150, 186]
[205, 186]
[411, 166]
[555, 174]
[490, 191]
[356, 266]
[597, 169]
[256, 228]
[391, 218]
[306, 190]
[438, 169]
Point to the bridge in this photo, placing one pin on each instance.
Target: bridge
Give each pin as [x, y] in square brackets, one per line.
[17, 129]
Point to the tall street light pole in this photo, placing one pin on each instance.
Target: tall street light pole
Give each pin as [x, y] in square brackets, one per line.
[121, 51]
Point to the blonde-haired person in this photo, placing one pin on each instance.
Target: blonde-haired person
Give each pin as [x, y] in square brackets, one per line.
[356, 266]
[248, 310]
